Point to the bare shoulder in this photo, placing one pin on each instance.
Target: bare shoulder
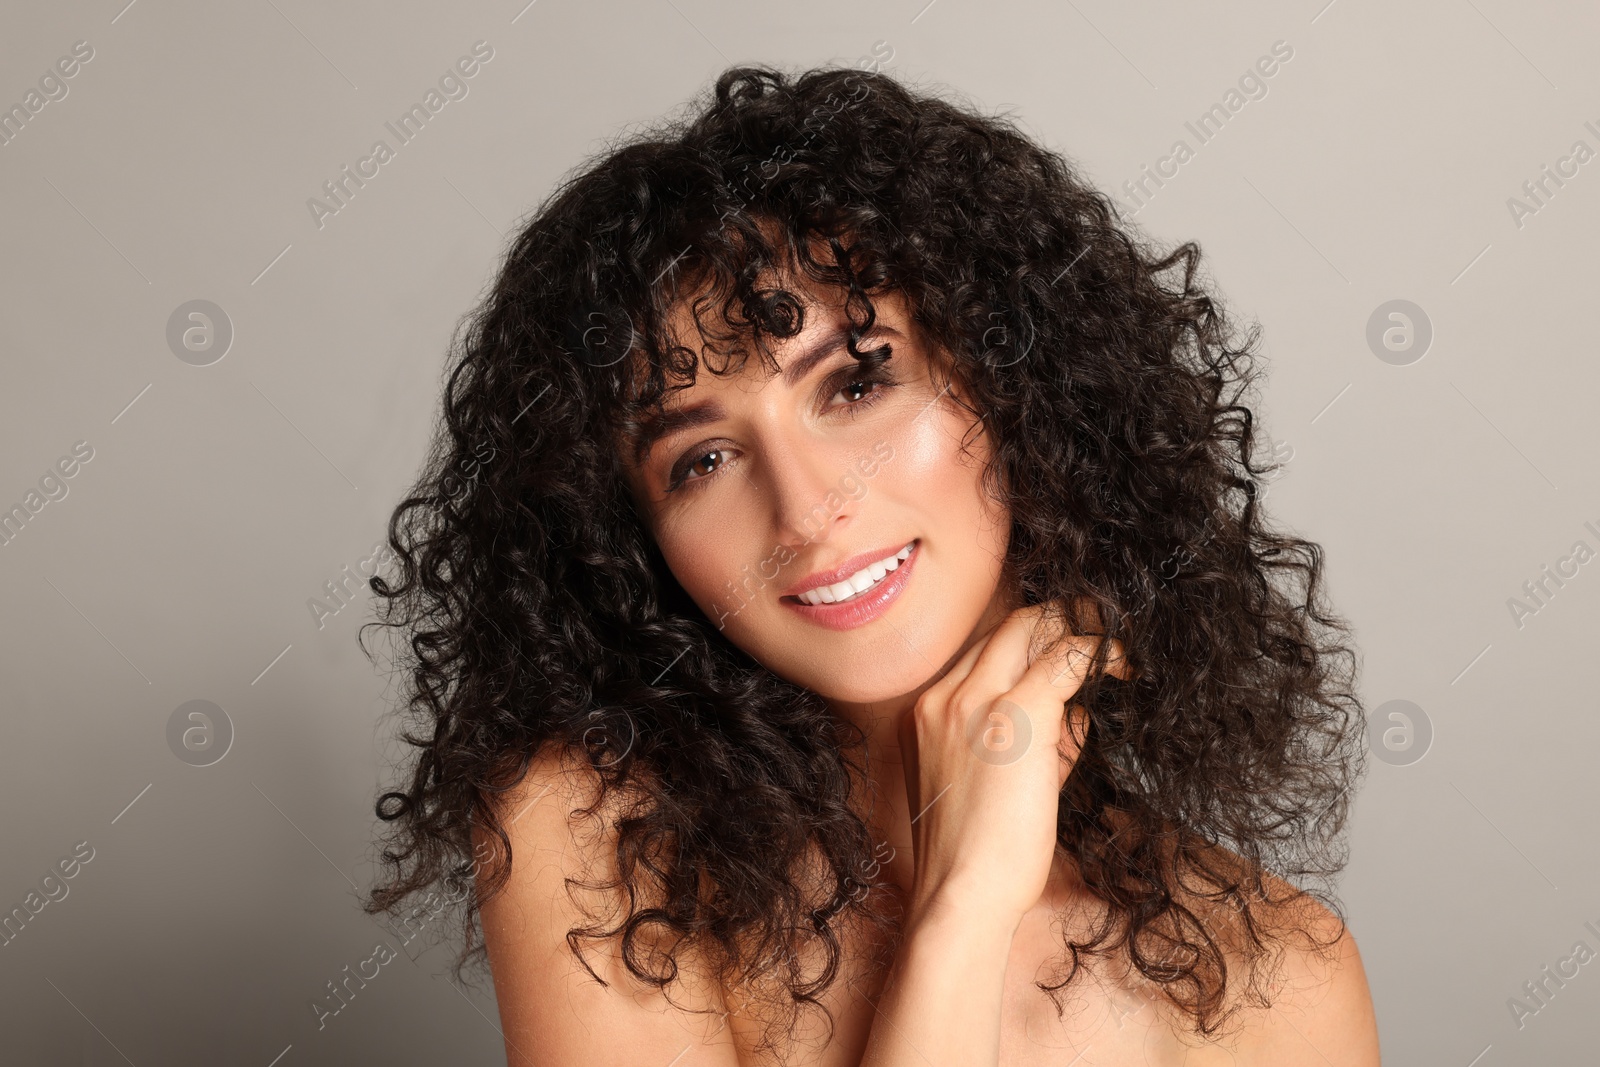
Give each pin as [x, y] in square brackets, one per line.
[562, 874]
[1321, 1008]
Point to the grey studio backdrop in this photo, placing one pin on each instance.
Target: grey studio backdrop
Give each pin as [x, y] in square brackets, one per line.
[214, 391]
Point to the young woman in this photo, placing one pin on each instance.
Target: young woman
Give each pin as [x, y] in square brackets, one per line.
[841, 629]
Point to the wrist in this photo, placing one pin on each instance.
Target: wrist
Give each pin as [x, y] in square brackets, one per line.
[970, 911]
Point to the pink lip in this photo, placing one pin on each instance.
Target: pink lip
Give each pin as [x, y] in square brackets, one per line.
[841, 572]
[862, 609]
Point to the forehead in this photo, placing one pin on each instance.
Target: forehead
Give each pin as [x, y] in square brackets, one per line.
[715, 320]
[710, 323]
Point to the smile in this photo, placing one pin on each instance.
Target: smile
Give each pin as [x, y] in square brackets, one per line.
[858, 584]
[860, 598]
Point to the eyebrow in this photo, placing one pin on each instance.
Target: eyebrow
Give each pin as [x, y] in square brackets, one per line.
[676, 420]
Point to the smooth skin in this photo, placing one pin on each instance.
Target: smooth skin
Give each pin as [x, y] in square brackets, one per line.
[974, 867]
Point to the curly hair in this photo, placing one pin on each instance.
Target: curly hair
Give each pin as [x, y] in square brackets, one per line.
[1212, 787]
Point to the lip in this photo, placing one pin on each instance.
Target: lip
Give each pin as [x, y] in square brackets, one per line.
[842, 571]
[862, 609]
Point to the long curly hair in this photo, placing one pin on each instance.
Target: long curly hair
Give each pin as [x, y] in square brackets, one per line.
[539, 612]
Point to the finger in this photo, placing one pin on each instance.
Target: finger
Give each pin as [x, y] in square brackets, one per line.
[1036, 639]
[1055, 677]
[961, 670]
[938, 695]
[1087, 621]
[1004, 657]
[999, 729]
[1068, 658]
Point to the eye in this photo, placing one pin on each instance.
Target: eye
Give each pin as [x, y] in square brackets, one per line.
[860, 389]
[857, 386]
[863, 389]
[696, 466]
[693, 466]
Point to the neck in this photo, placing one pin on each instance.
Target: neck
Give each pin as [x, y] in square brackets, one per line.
[887, 810]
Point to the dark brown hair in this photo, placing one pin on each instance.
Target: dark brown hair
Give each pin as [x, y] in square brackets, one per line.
[538, 610]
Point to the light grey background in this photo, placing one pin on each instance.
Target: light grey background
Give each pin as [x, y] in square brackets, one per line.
[221, 498]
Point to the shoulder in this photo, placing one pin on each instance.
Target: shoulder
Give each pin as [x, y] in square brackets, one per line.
[563, 869]
[562, 831]
[555, 778]
[541, 818]
[1320, 1006]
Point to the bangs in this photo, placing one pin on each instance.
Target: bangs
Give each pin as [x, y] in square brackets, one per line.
[726, 294]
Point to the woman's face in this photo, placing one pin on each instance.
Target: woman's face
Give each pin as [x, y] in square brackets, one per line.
[771, 495]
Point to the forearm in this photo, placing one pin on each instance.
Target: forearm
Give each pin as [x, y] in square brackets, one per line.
[941, 1001]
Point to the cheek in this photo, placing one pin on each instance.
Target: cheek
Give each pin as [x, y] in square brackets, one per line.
[945, 482]
[712, 555]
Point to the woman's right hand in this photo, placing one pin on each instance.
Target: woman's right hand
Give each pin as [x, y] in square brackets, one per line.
[985, 759]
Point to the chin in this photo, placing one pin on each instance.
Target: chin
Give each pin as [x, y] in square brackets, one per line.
[874, 688]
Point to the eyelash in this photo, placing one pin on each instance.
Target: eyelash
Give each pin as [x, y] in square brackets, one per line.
[878, 376]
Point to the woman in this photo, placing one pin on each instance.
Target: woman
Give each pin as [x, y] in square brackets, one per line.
[842, 630]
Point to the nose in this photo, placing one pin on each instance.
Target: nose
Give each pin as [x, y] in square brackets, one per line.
[807, 500]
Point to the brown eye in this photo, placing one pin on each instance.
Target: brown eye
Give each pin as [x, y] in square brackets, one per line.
[863, 390]
[696, 468]
[694, 465]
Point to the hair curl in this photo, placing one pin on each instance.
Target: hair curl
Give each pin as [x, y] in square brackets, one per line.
[540, 612]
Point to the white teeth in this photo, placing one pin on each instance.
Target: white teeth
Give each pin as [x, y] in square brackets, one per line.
[857, 583]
